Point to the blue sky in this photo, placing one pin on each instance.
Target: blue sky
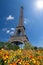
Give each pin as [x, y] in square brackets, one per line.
[33, 20]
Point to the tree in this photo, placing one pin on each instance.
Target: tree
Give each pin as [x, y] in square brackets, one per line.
[35, 48]
[27, 46]
[7, 45]
[2, 44]
[11, 46]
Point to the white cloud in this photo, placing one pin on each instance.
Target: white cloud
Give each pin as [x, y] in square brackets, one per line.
[12, 33]
[26, 21]
[8, 31]
[13, 29]
[10, 17]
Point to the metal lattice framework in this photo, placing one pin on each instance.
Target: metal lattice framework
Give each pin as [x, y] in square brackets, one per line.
[19, 34]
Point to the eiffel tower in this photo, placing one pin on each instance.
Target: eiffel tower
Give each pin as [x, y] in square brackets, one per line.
[19, 36]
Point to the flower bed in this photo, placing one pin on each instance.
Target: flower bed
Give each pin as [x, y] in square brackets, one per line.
[21, 57]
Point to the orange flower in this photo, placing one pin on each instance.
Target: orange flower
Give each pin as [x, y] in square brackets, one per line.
[30, 57]
[14, 63]
[5, 56]
[10, 64]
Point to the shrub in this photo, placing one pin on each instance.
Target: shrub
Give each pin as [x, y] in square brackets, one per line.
[11, 46]
[28, 46]
[1, 61]
[2, 44]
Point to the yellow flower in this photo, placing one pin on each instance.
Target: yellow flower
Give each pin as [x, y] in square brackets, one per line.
[2, 49]
[10, 64]
[8, 60]
[5, 61]
[5, 56]
[34, 61]
[19, 62]
[38, 63]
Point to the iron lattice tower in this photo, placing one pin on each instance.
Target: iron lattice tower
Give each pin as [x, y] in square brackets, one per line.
[19, 35]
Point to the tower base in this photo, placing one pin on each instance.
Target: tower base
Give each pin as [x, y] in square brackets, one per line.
[15, 39]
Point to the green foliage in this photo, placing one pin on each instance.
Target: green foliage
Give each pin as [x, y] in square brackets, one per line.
[2, 44]
[35, 48]
[9, 46]
[1, 61]
[12, 46]
[28, 46]
[40, 48]
[26, 58]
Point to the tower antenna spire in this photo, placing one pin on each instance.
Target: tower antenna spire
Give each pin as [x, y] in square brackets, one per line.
[21, 16]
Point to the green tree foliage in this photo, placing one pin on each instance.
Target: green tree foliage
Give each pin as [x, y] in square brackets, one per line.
[7, 45]
[40, 48]
[1, 61]
[12, 46]
[28, 46]
[2, 44]
[35, 48]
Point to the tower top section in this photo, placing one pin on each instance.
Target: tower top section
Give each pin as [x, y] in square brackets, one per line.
[22, 7]
[21, 21]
